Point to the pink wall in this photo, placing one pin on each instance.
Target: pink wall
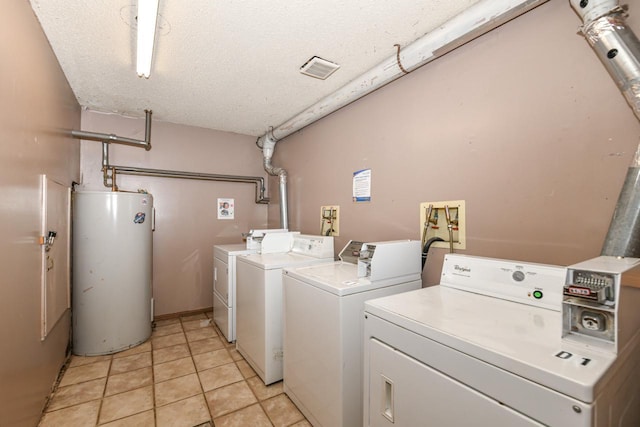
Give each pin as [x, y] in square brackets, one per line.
[37, 111]
[186, 222]
[523, 123]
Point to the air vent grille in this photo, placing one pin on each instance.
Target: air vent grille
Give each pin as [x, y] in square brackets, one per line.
[319, 68]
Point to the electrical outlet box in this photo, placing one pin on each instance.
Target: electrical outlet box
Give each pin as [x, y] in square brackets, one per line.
[330, 221]
[437, 225]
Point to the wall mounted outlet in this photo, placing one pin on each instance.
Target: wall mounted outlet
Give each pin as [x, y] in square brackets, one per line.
[330, 221]
[437, 225]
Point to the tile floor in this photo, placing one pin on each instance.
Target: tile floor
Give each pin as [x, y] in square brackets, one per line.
[184, 376]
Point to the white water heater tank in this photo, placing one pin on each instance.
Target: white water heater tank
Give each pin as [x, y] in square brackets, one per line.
[112, 267]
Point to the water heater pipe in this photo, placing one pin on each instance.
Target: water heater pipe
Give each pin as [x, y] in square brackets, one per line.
[111, 138]
[109, 171]
[464, 27]
[618, 48]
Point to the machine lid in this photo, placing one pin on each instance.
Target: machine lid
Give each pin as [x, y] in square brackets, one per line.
[519, 338]
[341, 278]
[280, 260]
[232, 249]
[313, 246]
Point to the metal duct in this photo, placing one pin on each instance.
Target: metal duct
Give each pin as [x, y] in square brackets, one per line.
[268, 144]
[619, 50]
[623, 237]
[469, 24]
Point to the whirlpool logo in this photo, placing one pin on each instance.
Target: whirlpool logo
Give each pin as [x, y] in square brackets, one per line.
[462, 269]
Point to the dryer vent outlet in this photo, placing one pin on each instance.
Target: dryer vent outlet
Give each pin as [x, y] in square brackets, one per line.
[319, 68]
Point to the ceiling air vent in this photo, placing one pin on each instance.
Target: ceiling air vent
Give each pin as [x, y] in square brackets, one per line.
[319, 68]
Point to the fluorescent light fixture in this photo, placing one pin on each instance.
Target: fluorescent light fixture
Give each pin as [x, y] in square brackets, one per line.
[147, 16]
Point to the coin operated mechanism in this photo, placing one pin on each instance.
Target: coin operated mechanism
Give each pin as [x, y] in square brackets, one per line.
[600, 303]
[385, 260]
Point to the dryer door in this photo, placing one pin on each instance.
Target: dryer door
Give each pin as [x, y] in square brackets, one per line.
[405, 393]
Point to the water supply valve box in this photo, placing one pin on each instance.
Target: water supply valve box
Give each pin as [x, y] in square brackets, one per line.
[600, 302]
[434, 222]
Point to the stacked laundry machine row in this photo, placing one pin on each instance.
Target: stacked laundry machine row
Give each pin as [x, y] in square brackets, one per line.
[259, 300]
[224, 272]
[359, 342]
[299, 314]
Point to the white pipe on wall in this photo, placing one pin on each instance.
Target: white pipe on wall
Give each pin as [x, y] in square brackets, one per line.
[473, 22]
[466, 26]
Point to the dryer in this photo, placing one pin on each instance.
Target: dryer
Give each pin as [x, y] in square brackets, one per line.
[323, 325]
[487, 347]
[224, 286]
[224, 273]
[259, 301]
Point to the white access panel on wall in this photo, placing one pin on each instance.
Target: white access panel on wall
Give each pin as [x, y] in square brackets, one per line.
[55, 242]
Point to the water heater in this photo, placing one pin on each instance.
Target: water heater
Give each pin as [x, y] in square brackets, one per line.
[112, 267]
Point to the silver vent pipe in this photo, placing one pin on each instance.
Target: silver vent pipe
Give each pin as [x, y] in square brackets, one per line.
[268, 143]
[623, 237]
[618, 48]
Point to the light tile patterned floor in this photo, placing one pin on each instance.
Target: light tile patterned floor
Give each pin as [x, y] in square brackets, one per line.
[184, 376]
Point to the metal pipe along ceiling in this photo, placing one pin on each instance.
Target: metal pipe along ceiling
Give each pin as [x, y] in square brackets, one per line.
[619, 50]
[162, 173]
[473, 22]
[109, 172]
[109, 137]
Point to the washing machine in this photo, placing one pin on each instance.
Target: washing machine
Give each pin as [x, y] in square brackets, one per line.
[323, 325]
[507, 343]
[224, 273]
[259, 301]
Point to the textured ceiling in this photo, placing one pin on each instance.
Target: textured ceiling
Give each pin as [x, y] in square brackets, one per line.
[228, 65]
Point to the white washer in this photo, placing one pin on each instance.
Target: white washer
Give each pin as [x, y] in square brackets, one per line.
[485, 348]
[259, 301]
[224, 286]
[323, 327]
[224, 272]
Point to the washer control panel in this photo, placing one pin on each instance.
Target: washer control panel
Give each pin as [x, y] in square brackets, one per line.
[523, 282]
